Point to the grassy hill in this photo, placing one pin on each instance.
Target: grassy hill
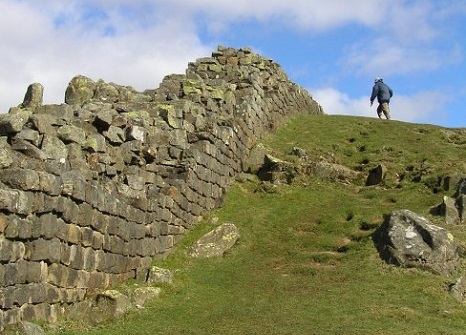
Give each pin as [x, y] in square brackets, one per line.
[305, 262]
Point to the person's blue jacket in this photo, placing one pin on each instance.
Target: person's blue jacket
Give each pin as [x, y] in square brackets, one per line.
[382, 91]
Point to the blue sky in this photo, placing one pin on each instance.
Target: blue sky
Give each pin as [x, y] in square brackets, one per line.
[333, 48]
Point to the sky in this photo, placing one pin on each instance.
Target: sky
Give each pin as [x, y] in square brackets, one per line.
[332, 48]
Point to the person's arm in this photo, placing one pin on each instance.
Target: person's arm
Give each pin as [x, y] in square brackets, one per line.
[375, 91]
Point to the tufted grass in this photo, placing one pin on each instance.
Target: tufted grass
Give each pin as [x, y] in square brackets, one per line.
[305, 262]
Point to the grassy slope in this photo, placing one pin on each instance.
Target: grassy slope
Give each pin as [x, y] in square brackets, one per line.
[305, 263]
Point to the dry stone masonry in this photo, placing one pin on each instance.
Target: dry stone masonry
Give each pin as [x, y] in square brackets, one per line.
[94, 189]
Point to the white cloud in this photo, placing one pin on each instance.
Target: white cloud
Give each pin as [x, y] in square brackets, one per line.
[422, 107]
[385, 57]
[37, 49]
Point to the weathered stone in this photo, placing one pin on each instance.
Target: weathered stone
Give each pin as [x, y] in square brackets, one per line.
[451, 212]
[16, 201]
[335, 172]
[458, 289]
[136, 133]
[54, 148]
[44, 250]
[216, 242]
[159, 275]
[63, 113]
[34, 96]
[24, 328]
[22, 179]
[27, 148]
[29, 135]
[407, 239]
[79, 90]
[45, 123]
[141, 295]
[6, 156]
[14, 121]
[70, 133]
[112, 303]
[276, 171]
[115, 135]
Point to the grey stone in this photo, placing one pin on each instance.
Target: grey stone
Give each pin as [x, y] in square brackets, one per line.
[458, 289]
[216, 242]
[159, 275]
[409, 240]
[14, 121]
[70, 133]
[34, 96]
[140, 295]
[22, 179]
[54, 148]
[24, 328]
[29, 135]
[112, 303]
[79, 90]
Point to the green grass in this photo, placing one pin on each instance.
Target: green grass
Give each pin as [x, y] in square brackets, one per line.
[305, 262]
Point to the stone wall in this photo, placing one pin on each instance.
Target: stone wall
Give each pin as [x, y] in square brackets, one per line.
[94, 189]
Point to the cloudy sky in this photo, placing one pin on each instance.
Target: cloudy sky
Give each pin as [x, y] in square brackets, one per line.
[333, 48]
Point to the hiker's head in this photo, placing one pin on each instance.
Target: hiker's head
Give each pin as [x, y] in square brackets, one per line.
[378, 80]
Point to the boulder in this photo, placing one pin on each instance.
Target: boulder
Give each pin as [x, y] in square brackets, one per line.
[333, 172]
[216, 242]
[23, 328]
[33, 97]
[457, 289]
[79, 90]
[276, 170]
[409, 240]
[159, 275]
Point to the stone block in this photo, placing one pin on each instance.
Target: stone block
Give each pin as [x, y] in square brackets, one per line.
[17, 201]
[11, 251]
[50, 226]
[49, 183]
[139, 296]
[70, 211]
[23, 179]
[159, 275]
[87, 236]
[111, 304]
[32, 293]
[12, 316]
[44, 250]
[57, 275]
[73, 233]
[98, 280]
[36, 272]
[71, 133]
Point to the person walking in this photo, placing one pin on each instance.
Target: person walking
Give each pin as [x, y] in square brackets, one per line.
[383, 93]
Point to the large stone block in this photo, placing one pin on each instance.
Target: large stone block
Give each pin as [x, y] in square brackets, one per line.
[44, 250]
[11, 251]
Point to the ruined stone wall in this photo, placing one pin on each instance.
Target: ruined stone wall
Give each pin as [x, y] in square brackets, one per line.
[94, 189]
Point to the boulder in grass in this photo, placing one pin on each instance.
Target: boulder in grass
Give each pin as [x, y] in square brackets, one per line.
[216, 242]
[409, 240]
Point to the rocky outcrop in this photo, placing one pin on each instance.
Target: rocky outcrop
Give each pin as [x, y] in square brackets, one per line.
[407, 239]
[94, 189]
[277, 171]
[452, 208]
